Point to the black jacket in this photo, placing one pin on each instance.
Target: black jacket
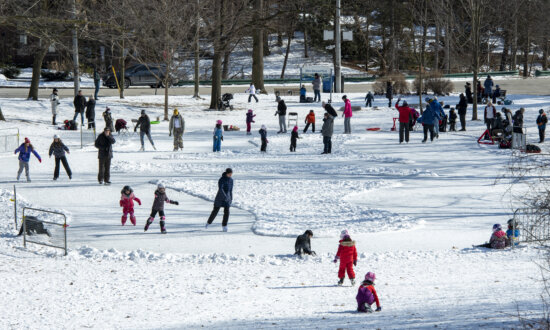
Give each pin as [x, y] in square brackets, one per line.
[281, 108]
[105, 145]
[452, 117]
[90, 110]
[144, 124]
[79, 103]
[303, 245]
[58, 149]
[518, 119]
[462, 106]
[293, 136]
[330, 110]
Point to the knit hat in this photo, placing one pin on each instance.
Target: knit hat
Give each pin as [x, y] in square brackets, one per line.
[249, 110]
[370, 277]
[228, 170]
[344, 233]
[55, 89]
[160, 186]
[142, 112]
[344, 97]
[176, 112]
[295, 129]
[263, 127]
[405, 103]
[218, 122]
[541, 111]
[497, 227]
[56, 136]
[107, 109]
[309, 232]
[27, 140]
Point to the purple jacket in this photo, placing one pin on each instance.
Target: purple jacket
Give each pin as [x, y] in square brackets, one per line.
[364, 296]
[250, 117]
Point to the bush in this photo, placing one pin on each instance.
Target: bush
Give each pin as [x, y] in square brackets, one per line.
[55, 75]
[434, 81]
[10, 72]
[400, 85]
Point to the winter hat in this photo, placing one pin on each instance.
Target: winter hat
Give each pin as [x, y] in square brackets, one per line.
[218, 122]
[295, 129]
[497, 86]
[176, 112]
[55, 89]
[541, 111]
[263, 127]
[142, 112]
[309, 232]
[107, 129]
[428, 99]
[249, 110]
[27, 140]
[228, 170]
[345, 97]
[405, 103]
[344, 233]
[497, 227]
[56, 136]
[323, 104]
[127, 188]
[107, 109]
[370, 277]
[160, 186]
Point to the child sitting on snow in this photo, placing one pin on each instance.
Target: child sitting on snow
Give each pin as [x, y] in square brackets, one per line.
[366, 296]
[158, 206]
[498, 239]
[511, 233]
[127, 199]
[347, 253]
[293, 138]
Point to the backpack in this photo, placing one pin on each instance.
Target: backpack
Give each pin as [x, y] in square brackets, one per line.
[532, 149]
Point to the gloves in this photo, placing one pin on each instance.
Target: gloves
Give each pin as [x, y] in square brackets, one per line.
[222, 137]
[139, 202]
[120, 202]
[335, 260]
[379, 309]
[355, 262]
[40, 160]
[175, 203]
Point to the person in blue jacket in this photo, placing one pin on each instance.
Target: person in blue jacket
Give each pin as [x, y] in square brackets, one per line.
[488, 85]
[428, 118]
[25, 151]
[218, 136]
[511, 233]
[438, 110]
[224, 198]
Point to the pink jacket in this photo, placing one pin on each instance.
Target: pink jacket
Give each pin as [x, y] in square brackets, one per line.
[127, 202]
[498, 240]
[347, 109]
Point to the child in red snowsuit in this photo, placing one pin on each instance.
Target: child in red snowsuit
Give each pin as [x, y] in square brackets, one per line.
[347, 253]
[127, 198]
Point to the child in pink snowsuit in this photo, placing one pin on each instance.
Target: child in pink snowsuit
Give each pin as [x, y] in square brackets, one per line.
[127, 199]
[249, 120]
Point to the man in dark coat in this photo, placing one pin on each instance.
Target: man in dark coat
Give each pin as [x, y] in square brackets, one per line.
[144, 125]
[90, 112]
[104, 144]
[281, 112]
[224, 198]
[462, 106]
[389, 92]
[469, 96]
[79, 106]
[303, 244]
[327, 130]
[518, 121]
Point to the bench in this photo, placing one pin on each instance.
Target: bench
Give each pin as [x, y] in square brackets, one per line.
[287, 91]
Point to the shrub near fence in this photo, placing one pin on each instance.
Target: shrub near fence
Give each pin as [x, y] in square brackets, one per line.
[51, 232]
[534, 225]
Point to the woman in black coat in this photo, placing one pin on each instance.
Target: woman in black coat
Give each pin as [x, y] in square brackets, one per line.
[224, 198]
[90, 112]
[462, 106]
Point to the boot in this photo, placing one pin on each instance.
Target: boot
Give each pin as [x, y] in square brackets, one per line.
[123, 219]
[142, 149]
[162, 229]
[149, 222]
[133, 219]
[352, 281]
[154, 147]
[341, 281]
[224, 229]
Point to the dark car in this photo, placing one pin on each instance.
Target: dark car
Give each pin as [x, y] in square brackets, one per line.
[138, 75]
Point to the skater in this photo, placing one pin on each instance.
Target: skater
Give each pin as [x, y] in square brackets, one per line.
[489, 117]
[218, 136]
[488, 91]
[498, 239]
[127, 199]
[328, 108]
[144, 125]
[108, 119]
[224, 198]
[541, 124]
[479, 92]
[327, 130]
[347, 254]
[79, 106]
[452, 120]
[427, 120]
[58, 149]
[249, 120]
[97, 82]
[251, 92]
[281, 111]
[104, 144]
[310, 120]
[158, 207]
[347, 114]
[368, 99]
[263, 137]
[389, 92]
[317, 81]
[177, 126]
[90, 112]
[462, 106]
[54, 100]
[405, 114]
[438, 108]
[366, 295]
[293, 138]
[468, 91]
[303, 244]
[25, 150]
[513, 233]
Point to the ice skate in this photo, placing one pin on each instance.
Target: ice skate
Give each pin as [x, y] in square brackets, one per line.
[123, 220]
[149, 222]
[352, 281]
[142, 149]
[224, 228]
[341, 282]
[133, 219]
[206, 226]
[162, 228]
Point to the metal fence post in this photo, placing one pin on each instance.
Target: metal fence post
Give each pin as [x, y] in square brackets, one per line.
[15, 206]
[65, 232]
[24, 230]
[81, 139]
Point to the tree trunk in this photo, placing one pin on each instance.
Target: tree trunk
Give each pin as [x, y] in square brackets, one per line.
[436, 46]
[392, 37]
[216, 79]
[305, 43]
[258, 50]
[122, 70]
[36, 70]
[267, 52]
[197, 58]
[515, 44]
[2, 115]
[286, 55]
[279, 39]
[545, 54]
[226, 63]
[504, 55]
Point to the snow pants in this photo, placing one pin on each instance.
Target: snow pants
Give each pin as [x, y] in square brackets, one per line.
[65, 165]
[23, 165]
[263, 147]
[346, 266]
[404, 132]
[248, 127]
[369, 104]
[312, 127]
[215, 213]
[128, 210]
[178, 138]
[292, 145]
[541, 135]
[217, 144]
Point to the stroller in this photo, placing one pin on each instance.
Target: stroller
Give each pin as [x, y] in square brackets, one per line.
[225, 102]
[121, 126]
[69, 125]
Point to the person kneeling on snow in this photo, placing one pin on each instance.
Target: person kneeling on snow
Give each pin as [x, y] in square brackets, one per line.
[347, 253]
[158, 206]
[498, 239]
[366, 296]
[303, 243]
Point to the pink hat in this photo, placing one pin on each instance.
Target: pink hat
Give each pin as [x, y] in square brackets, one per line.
[218, 122]
[370, 277]
[295, 129]
[249, 110]
[344, 233]
[27, 140]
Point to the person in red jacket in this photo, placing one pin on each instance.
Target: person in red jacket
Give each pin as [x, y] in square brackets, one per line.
[310, 120]
[347, 253]
[127, 199]
[405, 114]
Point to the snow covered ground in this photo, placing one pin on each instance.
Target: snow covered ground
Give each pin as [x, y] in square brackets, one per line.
[414, 209]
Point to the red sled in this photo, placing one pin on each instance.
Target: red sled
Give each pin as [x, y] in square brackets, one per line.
[394, 128]
[373, 129]
[481, 141]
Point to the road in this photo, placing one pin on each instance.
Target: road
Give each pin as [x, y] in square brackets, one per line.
[531, 86]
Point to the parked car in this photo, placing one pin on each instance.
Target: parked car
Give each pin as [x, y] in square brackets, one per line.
[138, 75]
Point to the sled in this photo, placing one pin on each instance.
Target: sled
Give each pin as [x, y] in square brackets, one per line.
[373, 129]
[155, 122]
[482, 141]
[253, 143]
[393, 128]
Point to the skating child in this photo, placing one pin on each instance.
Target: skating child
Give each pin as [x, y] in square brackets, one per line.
[127, 199]
[158, 206]
[263, 136]
[218, 136]
[366, 296]
[452, 120]
[511, 233]
[58, 149]
[347, 253]
[25, 151]
[249, 120]
[293, 138]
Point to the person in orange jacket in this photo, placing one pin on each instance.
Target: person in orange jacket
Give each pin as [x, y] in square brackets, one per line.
[347, 254]
[310, 120]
